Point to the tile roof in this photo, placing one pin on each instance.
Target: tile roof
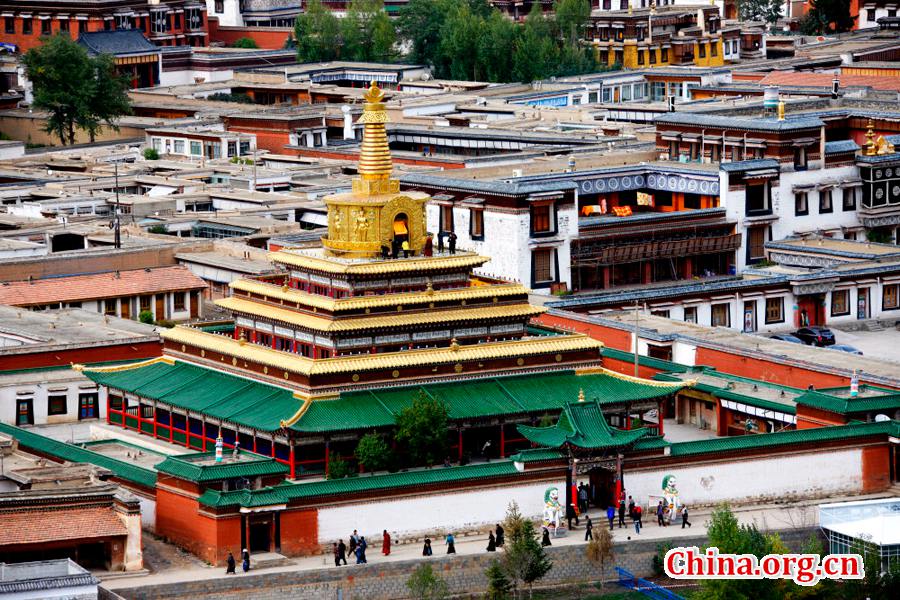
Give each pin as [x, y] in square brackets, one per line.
[197, 467]
[848, 405]
[752, 124]
[378, 267]
[841, 146]
[117, 43]
[124, 470]
[749, 165]
[78, 288]
[582, 425]
[45, 526]
[877, 82]
[507, 188]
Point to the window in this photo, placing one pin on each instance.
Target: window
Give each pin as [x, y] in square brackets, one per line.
[45, 26]
[721, 315]
[801, 204]
[115, 402]
[232, 149]
[756, 244]
[626, 91]
[195, 148]
[607, 4]
[825, 201]
[179, 147]
[840, 303]
[146, 302]
[447, 217]
[690, 314]
[10, 24]
[660, 313]
[799, 159]
[109, 307]
[178, 301]
[542, 265]
[758, 200]
[540, 218]
[177, 20]
[604, 33]
[56, 405]
[849, 198]
[664, 55]
[889, 299]
[775, 310]
[701, 50]
[640, 57]
[657, 89]
[476, 223]
[220, 6]
[713, 49]
[27, 26]
[63, 24]
[623, 4]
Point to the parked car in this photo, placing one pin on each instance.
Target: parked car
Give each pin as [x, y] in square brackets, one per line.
[787, 337]
[816, 336]
[847, 348]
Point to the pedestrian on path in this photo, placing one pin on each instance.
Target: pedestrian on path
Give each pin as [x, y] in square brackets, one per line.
[660, 514]
[571, 513]
[426, 548]
[354, 542]
[545, 538]
[230, 564]
[245, 560]
[492, 542]
[341, 552]
[386, 543]
[611, 516]
[363, 545]
[500, 534]
[631, 507]
[451, 544]
[588, 529]
[684, 517]
[583, 497]
[638, 515]
[621, 512]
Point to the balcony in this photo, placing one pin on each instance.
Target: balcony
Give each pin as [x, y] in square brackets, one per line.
[606, 254]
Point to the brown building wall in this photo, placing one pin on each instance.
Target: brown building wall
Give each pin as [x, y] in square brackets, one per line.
[20, 125]
[178, 519]
[300, 532]
[876, 468]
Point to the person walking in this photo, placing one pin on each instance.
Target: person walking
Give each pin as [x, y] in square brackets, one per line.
[500, 534]
[638, 515]
[245, 560]
[342, 551]
[385, 543]
[426, 548]
[441, 235]
[621, 512]
[582, 497]
[229, 564]
[451, 544]
[660, 513]
[363, 544]
[492, 542]
[611, 516]
[545, 538]
[452, 243]
[588, 529]
[571, 513]
[354, 542]
[631, 507]
[337, 554]
[684, 517]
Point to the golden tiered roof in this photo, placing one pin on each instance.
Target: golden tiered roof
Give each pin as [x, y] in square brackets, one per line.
[307, 259]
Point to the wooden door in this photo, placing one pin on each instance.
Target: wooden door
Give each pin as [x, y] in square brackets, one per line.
[160, 307]
[126, 308]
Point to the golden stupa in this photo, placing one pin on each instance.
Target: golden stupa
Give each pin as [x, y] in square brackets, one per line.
[375, 214]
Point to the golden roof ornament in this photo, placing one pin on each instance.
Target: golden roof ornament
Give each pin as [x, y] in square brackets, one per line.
[581, 395]
[375, 165]
[871, 149]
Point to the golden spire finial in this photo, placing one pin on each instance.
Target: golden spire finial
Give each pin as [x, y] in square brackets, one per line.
[581, 395]
[374, 94]
[871, 149]
[375, 156]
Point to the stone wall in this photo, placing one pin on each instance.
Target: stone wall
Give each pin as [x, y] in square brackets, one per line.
[464, 574]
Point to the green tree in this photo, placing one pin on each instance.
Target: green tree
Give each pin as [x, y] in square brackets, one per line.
[373, 452]
[146, 316]
[458, 51]
[419, 22]
[828, 16]
[368, 33]
[425, 584]
[499, 586]
[422, 430]
[338, 468]
[524, 560]
[767, 11]
[245, 42]
[572, 18]
[496, 48]
[600, 550]
[317, 33]
[78, 91]
[151, 154]
[537, 52]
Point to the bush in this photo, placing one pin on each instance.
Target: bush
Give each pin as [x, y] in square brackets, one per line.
[146, 316]
[151, 154]
[373, 452]
[499, 586]
[424, 584]
[226, 97]
[245, 42]
[659, 559]
[338, 468]
[157, 229]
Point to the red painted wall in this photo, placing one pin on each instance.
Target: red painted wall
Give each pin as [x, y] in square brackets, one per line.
[876, 468]
[122, 352]
[178, 520]
[613, 338]
[268, 38]
[300, 532]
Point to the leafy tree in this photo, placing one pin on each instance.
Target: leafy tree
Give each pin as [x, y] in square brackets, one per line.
[151, 154]
[536, 52]
[425, 584]
[79, 92]
[496, 47]
[828, 16]
[524, 560]
[767, 11]
[600, 550]
[499, 586]
[572, 18]
[422, 430]
[245, 42]
[368, 33]
[420, 23]
[338, 468]
[458, 49]
[373, 452]
[317, 33]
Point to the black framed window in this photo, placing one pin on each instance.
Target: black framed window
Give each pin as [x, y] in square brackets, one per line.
[476, 224]
[801, 204]
[825, 205]
[840, 303]
[849, 199]
[57, 404]
[775, 310]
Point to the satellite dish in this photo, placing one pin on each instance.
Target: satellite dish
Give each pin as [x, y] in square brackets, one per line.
[881, 418]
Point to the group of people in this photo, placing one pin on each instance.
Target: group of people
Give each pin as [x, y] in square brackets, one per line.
[230, 563]
[357, 548]
[399, 246]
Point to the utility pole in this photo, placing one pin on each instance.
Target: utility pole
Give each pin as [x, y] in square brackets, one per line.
[637, 334]
[118, 234]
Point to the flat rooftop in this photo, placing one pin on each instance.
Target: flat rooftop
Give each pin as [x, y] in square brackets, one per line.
[225, 261]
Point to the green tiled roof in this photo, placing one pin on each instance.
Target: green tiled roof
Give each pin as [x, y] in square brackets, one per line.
[476, 398]
[847, 405]
[214, 393]
[50, 447]
[582, 425]
[799, 436]
[724, 393]
[536, 455]
[646, 361]
[188, 466]
[650, 442]
[286, 492]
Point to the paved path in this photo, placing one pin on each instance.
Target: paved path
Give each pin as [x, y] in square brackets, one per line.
[773, 517]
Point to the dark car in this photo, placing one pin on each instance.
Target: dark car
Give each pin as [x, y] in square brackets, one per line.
[815, 336]
[846, 348]
[787, 337]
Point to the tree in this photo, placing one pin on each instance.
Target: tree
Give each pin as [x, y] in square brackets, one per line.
[536, 53]
[373, 452]
[317, 33]
[499, 586]
[422, 430]
[79, 92]
[245, 42]
[767, 11]
[424, 584]
[524, 560]
[496, 47]
[419, 22]
[828, 16]
[368, 33]
[338, 468]
[572, 17]
[600, 550]
[458, 51]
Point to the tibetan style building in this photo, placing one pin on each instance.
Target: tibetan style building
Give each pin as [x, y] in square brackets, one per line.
[345, 336]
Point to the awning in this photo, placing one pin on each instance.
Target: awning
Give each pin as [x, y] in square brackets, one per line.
[400, 228]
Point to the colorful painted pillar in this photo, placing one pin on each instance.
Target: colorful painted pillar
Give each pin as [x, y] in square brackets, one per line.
[661, 415]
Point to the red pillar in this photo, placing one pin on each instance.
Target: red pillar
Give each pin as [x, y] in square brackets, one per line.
[187, 431]
[646, 272]
[292, 461]
[327, 456]
[618, 478]
[155, 434]
[203, 433]
[502, 440]
[627, 418]
[460, 449]
[661, 414]
[607, 279]
[272, 449]
[254, 443]
[274, 339]
[237, 333]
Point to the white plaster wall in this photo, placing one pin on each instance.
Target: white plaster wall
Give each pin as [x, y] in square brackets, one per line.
[39, 390]
[231, 14]
[750, 480]
[450, 512]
